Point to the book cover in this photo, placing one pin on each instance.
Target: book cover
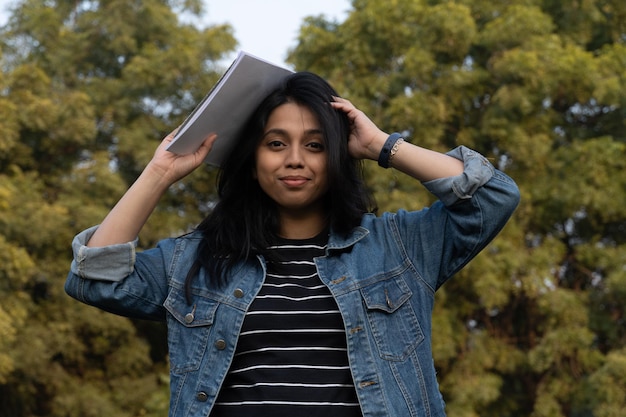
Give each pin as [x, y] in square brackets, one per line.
[227, 107]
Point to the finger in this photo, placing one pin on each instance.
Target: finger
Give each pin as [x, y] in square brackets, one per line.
[346, 108]
[206, 145]
[209, 140]
[170, 136]
[341, 99]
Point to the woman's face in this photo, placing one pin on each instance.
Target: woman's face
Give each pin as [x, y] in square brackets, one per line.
[291, 159]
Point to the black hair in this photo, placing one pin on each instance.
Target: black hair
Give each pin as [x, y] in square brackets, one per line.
[245, 220]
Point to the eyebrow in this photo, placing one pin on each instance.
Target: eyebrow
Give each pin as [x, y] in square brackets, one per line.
[283, 132]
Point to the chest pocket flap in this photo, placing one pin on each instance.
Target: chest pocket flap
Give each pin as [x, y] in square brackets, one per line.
[201, 312]
[395, 327]
[188, 329]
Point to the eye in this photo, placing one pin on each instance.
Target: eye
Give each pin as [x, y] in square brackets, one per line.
[316, 146]
[275, 144]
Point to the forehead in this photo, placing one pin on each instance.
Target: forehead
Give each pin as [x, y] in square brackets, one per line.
[292, 116]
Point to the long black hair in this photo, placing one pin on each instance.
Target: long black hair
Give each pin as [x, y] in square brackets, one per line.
[245, 220]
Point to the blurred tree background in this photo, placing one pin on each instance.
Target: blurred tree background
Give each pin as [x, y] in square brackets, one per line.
[535, 326]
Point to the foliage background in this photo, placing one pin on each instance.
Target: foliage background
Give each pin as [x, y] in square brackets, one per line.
[534, 326]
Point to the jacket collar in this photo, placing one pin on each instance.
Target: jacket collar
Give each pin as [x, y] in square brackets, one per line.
[339, 241]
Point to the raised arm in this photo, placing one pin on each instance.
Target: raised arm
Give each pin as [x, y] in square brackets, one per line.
[131, 212]
[367, 141]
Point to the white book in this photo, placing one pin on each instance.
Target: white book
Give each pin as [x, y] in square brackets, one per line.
[228, 106]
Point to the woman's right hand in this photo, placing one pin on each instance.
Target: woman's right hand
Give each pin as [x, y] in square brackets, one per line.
[172, 167]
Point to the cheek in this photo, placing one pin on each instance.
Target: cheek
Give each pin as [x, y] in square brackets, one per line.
[262, 178]
[322, 169]
[260, 170]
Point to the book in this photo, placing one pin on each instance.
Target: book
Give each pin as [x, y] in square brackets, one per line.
[228, 106]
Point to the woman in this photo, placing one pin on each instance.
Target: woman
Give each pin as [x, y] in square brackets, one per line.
[291, 297]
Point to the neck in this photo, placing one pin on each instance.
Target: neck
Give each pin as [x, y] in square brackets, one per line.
[302, 225]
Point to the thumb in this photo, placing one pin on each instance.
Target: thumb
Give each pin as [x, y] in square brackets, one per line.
[205, 147]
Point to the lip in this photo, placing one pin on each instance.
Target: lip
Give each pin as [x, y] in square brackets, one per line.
[294, 180]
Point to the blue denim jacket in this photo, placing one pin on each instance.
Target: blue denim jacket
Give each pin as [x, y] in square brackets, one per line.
[383, 275]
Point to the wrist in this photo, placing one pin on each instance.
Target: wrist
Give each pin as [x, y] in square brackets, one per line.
[389, 149]
[156, 178]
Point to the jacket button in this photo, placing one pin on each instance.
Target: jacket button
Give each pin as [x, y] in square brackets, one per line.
[189, 318]
[202, 396]
[220, 344]
[238, 293]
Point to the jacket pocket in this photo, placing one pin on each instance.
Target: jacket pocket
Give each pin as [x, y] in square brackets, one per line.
[394, 324]
[188, 329]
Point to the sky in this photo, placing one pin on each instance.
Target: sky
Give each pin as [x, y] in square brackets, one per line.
[268, 28]
[265, 28]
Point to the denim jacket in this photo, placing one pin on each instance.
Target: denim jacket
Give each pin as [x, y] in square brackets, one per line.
[383, 275]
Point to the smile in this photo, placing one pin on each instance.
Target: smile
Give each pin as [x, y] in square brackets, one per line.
[294, 181]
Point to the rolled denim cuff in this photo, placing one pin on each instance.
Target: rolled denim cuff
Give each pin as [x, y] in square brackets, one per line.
[107, 263]
[477, 171]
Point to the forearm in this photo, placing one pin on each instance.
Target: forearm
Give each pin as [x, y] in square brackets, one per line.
[129, 215]
[126, 219]
[420, 163]
[425, 164]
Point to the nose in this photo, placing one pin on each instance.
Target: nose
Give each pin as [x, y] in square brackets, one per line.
[294, 157]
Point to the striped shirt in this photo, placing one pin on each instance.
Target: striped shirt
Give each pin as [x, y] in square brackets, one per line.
[291, 358]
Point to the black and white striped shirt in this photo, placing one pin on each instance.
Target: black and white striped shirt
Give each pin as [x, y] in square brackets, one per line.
[291, 358]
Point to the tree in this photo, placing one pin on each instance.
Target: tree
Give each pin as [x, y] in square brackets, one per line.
[534, 326]
[87, 91]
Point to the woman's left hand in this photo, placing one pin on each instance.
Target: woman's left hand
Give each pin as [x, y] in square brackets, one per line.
[366, 139]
